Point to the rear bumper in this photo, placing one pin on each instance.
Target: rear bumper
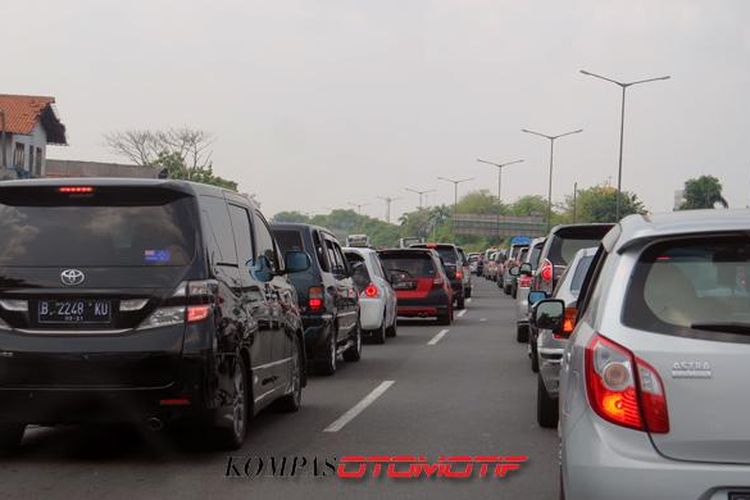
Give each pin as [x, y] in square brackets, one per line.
[601, 461]
[371, 313]
[434, 304]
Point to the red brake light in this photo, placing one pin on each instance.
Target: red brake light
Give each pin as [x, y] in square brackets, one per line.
[197, 313]
[371, 291]
[459, 275]
[315, 299]
[76, 189]
[547, 271]
[615, 394]
[524, 281]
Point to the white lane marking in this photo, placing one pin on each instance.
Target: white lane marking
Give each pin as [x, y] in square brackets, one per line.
[482, 320]
[355, 410]
[468, 301]
[439, 336]
[460, 314]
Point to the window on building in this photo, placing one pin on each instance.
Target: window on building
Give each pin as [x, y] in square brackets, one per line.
[38, 164]
[19, 155]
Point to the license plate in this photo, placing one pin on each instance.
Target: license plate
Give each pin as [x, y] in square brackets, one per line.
[74, 311]
[405, 285]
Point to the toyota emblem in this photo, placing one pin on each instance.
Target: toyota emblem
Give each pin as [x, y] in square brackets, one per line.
[72, 277]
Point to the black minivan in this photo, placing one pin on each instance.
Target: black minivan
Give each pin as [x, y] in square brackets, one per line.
[328, 296]
[144, 301]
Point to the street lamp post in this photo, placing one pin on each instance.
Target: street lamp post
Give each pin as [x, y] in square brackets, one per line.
[500, 167]
[551, 139]
[623, 86]
[455, 183]
[388, 200]
[358, 206]
[420, 193]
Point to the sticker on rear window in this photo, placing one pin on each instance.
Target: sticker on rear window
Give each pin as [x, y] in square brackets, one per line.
[156, 256]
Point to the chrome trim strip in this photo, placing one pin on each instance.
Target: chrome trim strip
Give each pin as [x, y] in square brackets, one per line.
[15, 305]
[71, 332]
[266, 394]
[273, 363]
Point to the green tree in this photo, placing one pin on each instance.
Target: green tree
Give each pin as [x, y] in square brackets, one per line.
[479, 202]
[703, 192]
[290, 216]
[177, 168]
[531, 204]
[599, 204]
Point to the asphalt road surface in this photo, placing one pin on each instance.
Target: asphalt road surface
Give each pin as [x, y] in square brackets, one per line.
[465, 392]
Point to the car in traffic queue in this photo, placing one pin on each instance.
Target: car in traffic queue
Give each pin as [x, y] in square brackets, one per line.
[328, 297]
[490, 267]
[524, 275]
[466, 273]
[377, 300]
[453, 266]
[505, 278]
[476, 263]
[653, 374]
[421, 283]
[515, 275]
[563, 241]
[143, 301]
[549, 346]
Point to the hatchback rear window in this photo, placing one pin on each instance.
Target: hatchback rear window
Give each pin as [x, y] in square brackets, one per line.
[106, 227]
[692, 285]
[360, 274]
[567, 241]
[414, 266]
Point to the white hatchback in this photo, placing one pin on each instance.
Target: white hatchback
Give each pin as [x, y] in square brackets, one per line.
[377, 300]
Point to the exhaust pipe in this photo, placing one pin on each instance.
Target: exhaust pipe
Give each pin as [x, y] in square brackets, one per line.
[155, 424]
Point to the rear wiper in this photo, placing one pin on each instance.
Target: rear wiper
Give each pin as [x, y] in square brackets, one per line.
[728, 327]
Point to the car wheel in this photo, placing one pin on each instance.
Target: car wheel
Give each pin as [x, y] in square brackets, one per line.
[506, 289]
[378, 336]
[546, 407]
[460, 303]
[354, 352]
[534, 359]
[446, 317]
[522, 333]
[392, 330]
[292, 402]
[11, 436]
[467, 293]
[327, 364]
[232, 436]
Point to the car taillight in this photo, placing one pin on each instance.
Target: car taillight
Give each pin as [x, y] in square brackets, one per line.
[524, 281]
[315, 299]
[459, 275]
[75, 189]
[191, 302]
[437, 282]
[569, 323]
[615, 393]
[547, 271]
[371, 291]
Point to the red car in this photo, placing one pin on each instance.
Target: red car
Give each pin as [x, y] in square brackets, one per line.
[422, 286]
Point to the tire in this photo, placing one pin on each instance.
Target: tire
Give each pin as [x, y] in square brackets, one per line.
[522, 333]
[378, 336]
[327, 364]
[354, 352]
[233, 437]
[534, 359]
[546, 407]
[467, 293]
[393, 329]
[446, 318]
[11, 436]
[292, 402]
[506, 289]
[460, 303]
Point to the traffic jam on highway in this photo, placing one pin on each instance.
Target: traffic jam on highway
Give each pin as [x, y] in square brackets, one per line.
[176, 306]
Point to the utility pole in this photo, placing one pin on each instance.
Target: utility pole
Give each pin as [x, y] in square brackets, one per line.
[420, 193]
[623, 86]
[551, 139]
[455, 183]
[388, 200]
[575, 200]
[358, 206]
[500, 167]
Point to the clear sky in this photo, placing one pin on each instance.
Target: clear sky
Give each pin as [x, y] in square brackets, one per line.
[318, 103]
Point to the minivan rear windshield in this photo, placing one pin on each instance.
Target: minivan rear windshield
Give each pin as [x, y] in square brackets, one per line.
[567, 241]
[686, 286]
[415, 266]
[108, 226]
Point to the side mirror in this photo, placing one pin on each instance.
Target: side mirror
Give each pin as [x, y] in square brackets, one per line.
[514, 271]
[548, 314]
[260, 269]
[536, 296]
[525, 269]
[296, 262]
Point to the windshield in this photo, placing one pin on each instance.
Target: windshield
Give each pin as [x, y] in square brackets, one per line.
[109, 228]
[680, 284]
[580, 273]
[415, 266]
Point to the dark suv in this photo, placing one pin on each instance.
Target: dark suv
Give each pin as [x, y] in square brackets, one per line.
[561, 246]
[451, 258]
[327, 295]
[142, 301]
